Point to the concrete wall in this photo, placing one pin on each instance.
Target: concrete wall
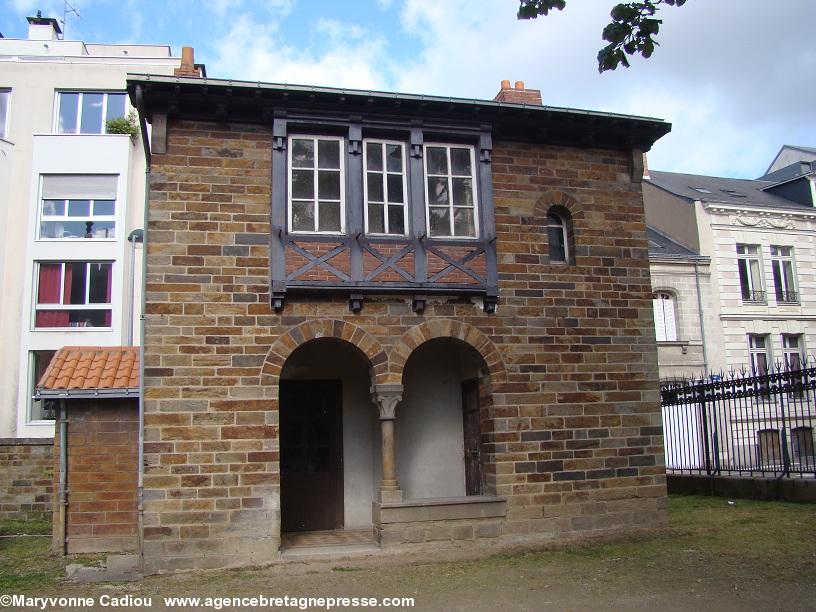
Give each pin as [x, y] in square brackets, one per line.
[802, 490]
[111, 154]
[6, 153]
[672, 215]
[35, 73]
[430, 440]
[26, 467]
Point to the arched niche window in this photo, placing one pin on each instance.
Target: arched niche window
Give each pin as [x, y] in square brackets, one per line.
[559, 234]
[664, 316]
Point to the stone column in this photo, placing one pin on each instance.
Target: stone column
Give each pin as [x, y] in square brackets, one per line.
[386, 397]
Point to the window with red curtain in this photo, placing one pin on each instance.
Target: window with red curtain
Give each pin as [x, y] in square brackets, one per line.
[74, 294]
[49, 292]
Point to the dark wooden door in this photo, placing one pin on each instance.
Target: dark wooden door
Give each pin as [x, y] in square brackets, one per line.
[311, 455]
[471, 428]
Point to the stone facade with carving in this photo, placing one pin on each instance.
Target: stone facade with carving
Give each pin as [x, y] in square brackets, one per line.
[763, 263]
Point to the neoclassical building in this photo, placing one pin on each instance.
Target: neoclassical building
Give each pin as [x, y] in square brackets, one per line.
[761, 238]
[391, 319]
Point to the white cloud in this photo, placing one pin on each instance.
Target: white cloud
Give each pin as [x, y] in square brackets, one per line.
[223, 8]
[49, 8]
[259, 51]
[732, 76]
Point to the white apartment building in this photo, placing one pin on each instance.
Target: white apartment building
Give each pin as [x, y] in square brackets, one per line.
[71, 194]
[763, 263]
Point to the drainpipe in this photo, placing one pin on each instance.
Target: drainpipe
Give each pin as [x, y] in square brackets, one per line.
[702, 318]
[140, 467]
[62, 493]
[135, 236]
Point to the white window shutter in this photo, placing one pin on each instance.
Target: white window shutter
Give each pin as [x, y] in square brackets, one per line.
[79, 186]
[660, 320]
[668, 318]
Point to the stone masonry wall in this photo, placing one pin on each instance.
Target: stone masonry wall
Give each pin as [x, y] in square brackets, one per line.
[572, 435]
[25, 478]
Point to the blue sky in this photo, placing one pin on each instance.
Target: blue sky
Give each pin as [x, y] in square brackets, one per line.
[733, 76]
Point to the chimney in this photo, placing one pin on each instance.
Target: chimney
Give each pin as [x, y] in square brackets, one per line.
[43, 28]
[518, 94]
[188, 67]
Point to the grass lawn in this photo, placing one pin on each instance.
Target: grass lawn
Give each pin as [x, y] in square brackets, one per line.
[749, 555]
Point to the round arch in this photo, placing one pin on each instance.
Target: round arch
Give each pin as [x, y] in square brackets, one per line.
[446, 328]
[558, 199]
[314, 329]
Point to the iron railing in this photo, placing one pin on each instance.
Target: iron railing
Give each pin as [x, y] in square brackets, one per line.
[739, 423]
[787, 297]
[754, 296]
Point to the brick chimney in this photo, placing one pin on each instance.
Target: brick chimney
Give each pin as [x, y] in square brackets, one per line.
[518, 94]
[188, 67]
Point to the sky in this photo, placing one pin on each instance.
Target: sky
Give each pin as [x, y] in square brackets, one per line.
[734, 77]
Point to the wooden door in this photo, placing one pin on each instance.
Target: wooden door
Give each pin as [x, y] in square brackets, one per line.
[311, 455]
[472, 432]
[770, 450]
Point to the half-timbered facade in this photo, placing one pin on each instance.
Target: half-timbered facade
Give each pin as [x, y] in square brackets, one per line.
[391, 319]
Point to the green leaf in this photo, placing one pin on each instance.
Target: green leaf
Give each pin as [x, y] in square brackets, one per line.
[650, 26]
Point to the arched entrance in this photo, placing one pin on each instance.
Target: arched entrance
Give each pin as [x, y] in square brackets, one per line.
[439, 421]
[328, 438]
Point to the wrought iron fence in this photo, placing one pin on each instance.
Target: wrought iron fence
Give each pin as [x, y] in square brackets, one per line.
[739, 423]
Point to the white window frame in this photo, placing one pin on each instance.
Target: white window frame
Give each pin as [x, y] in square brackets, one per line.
[384, 175]
[663, 303]
[6, 121]
[316, 199]
[31, 384]
[778, 261]
[755, 350]
[564, 236]
[450, 176]
[82, 93]
[788, 350]
[42, 218]
[747, 257]
[61, 306]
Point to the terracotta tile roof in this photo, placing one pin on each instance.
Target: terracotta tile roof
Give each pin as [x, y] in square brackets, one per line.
[92, 368]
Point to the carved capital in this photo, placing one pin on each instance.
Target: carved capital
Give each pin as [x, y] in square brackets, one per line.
[386, 397]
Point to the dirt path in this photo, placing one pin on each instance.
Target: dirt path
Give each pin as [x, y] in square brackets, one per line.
[714, 556]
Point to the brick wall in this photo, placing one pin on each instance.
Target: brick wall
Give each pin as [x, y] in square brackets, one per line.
[573, 437]
[25, 478]
[102, 476]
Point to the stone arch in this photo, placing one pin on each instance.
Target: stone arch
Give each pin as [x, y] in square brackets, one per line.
[557, 198]
[315, 329]
[446, 328]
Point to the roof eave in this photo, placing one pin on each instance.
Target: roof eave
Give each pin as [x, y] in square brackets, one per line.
[251, 102]
[124, 392]
[679, 258]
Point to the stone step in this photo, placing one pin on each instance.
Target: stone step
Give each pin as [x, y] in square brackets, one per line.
[330, 550]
